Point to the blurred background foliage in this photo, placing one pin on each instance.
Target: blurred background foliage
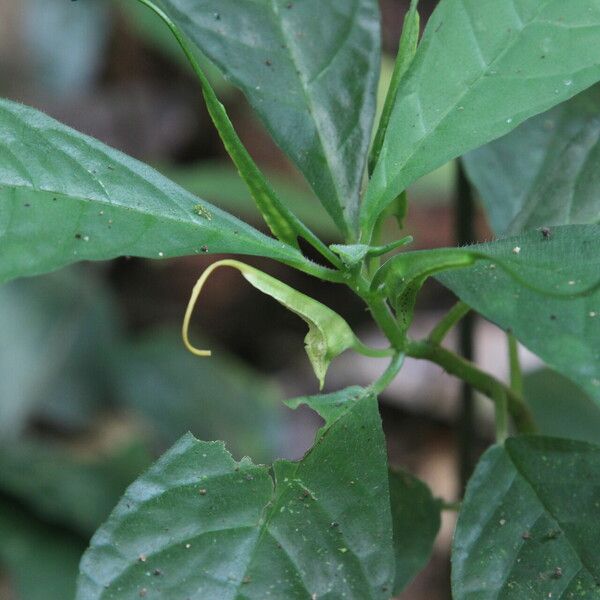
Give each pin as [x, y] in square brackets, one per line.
[94, 381]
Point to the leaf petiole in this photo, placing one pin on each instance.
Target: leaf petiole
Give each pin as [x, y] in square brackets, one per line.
[280, 219]
[406, 52]
[450, 319]
[389, 374]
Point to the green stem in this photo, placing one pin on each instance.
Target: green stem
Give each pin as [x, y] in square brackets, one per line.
[389, 374]
[501, 413]
[456, 313]
[372, 352]
[406, 53]
[464, 225]
[387, 322]
[450, 506]
[516, 374]
[280, 219]
[481, 381]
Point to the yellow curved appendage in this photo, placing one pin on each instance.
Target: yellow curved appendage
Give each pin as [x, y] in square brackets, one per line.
[185, 328]
[328, 334]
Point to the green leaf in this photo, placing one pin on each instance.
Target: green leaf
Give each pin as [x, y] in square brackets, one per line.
[482, 67]
[545, 171]
[353, 254]
[328, 334]
[204, 526]
[65, 197]
[40, 560]
[402, 277]
[530, 523]
[267, 49]
[221, 184]
[416, 522]
[407, 47]
[528, 293]
[560, 408]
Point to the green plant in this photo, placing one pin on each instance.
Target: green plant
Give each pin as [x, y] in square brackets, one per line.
[338, 523]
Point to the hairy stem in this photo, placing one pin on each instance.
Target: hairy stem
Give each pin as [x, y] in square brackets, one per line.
[481, 381]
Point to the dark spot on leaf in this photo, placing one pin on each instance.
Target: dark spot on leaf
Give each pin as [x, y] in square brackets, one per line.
[268, 63]
[557, 573]
[77, 236]
[526, 535]
[546, 233]
[335, 524]
[204, 248]
[553, 317]
[552, 534]
[157, 572]
[202, 491]
[246, 579]
[143, 592]
[26, 205]
[217, 16]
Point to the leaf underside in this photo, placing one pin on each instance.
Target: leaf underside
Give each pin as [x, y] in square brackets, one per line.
[530, 523]
[563, 329]
[416, 521]
[65, 197]
[545, 172]
[482, 68]
[316, 99]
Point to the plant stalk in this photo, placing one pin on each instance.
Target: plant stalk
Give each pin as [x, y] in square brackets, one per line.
[516, 374]
[389, 374]
[450, 319]
[478, 379]
[464, 211]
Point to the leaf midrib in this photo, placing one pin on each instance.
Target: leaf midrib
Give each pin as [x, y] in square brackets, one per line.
[309, 101]
[546, 507]
[522, 219]
[257, 236]
[269, 513]
[436, 125]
